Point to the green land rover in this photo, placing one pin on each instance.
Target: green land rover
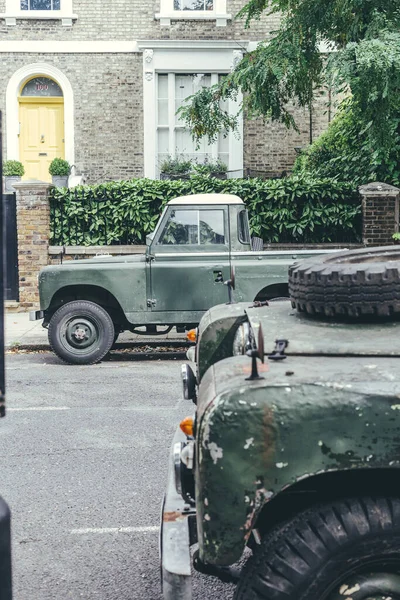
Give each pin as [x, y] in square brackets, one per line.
[86, 303]
[294, 448]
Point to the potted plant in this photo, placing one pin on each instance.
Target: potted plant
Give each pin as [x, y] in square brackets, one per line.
[396, 238]
[175, 168]
[12, 171]
[60, 170]
[213, 168]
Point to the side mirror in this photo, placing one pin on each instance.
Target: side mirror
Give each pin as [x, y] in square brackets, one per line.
[149, 238]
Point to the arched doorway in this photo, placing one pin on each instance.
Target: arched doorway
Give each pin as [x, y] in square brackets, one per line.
[41, 118]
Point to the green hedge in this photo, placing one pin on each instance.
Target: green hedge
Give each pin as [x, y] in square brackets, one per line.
[294, 209]
[344, 151]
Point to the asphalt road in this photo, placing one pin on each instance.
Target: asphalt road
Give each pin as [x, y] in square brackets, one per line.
[84, 461]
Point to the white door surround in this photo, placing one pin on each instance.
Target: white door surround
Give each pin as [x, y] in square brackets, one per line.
[14, 87]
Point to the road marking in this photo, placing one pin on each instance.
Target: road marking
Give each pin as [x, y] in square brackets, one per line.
[17, 409]
[114, 530]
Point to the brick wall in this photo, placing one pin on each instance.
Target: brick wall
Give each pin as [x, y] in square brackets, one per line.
[33, 225]
[380, 204]
[108, 105]
[270, 147]
[108, 88]
[133, 20]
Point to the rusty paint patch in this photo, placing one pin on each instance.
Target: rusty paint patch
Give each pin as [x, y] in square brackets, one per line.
[171, 517]
[262, 368]
[269, 437]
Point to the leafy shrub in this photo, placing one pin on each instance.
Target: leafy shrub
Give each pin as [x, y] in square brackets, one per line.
[344, 152]
[176, 166]
[211, 167]
[59, 167]
[13, 168]
[296, 209]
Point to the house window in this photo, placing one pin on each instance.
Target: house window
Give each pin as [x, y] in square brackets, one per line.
[38, 10]
[41, 86]
[193, 4]
[40, 4]
[173, 139]
[202, 10]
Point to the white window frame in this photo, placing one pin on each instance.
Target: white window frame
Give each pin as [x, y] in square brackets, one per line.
[172, 127]
[168, 13]
[187, 56]
[13, 13]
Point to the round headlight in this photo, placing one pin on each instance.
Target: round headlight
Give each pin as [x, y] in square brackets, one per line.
[242, 340]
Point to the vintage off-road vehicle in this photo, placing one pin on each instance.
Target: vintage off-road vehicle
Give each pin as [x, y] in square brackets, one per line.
[294, 449]
[86, 303]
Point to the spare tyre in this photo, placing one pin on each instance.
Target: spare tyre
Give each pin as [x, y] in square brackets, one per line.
[353, 283]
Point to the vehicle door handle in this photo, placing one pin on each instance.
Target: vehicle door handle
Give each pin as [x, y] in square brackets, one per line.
[42, 153]
[218, 278]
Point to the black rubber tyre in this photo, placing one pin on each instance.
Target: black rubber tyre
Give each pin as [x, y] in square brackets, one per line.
[116, 336]
[353, 283]
[81, 332]
[354, 543]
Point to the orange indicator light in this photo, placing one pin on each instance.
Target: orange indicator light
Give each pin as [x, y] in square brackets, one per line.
[192, 335]
[187, 426]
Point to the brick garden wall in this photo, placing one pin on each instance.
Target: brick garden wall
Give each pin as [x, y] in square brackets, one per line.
[380, 220]
[380, 204]
[33, 225]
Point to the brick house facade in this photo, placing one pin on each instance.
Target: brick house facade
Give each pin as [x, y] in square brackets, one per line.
[122, 69]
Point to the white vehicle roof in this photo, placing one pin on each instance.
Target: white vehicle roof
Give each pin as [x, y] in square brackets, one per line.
[206, 199]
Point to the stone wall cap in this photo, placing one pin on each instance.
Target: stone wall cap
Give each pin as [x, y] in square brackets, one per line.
[378, 186]
[32, 183]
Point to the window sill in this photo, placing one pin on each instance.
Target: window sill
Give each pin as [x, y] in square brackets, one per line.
[189, 15]
[39, 15]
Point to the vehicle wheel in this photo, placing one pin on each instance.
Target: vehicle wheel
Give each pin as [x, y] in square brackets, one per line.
[81, 332]
[116, 336]
[347, 549]
[352, 283]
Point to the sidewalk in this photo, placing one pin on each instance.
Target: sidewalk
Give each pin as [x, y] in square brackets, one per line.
[24, 334]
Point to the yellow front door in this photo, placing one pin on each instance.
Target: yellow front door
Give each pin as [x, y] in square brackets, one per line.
[41, 135]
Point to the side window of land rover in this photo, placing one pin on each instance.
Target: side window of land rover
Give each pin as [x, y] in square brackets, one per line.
[194, 227]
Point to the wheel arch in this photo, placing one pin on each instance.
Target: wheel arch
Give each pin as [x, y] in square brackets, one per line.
[91, 293]
[322, 487]
[275, 290]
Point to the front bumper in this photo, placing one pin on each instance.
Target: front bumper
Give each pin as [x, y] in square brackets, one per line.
[188, 382]
[176, 523]
[35, 315]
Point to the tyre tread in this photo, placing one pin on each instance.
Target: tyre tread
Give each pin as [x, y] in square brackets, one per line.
[276, 574]
[347, 289]
[81, 359]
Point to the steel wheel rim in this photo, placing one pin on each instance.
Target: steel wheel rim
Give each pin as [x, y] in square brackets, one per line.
[381, 582]
[79, 334]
